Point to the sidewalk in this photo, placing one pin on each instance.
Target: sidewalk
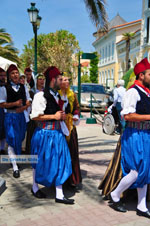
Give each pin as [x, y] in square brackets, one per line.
[18, 207]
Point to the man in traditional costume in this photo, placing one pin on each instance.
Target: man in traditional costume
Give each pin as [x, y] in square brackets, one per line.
[13, 98]
[135, 142]
[2, 113]
[48, 141]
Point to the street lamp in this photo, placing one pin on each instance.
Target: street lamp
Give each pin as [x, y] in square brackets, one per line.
[35, 19]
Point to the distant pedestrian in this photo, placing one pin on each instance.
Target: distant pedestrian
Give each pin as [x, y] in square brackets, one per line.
[119, 93]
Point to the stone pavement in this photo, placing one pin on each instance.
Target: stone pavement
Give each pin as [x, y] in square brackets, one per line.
[18, 207]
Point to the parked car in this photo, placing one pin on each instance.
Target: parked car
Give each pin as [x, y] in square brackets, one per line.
[98, 91]
[74, 88]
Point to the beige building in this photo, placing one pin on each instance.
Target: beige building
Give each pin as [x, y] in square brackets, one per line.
[145, 28]
[109, 46]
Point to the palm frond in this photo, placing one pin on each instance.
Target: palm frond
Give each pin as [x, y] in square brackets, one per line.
[97, 12]
[128, 35]
[4, 36]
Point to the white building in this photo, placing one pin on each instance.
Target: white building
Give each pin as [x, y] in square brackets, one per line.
[108, 44]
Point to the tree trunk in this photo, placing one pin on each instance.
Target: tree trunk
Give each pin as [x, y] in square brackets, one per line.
[127, 54]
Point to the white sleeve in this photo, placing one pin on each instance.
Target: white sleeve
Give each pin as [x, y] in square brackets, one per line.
[129, 101]
[76, 123]
[27, 93]
[38, 105]
[3, 94]
[115, 97]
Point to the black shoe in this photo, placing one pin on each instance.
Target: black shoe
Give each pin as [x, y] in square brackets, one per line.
[2, 152]
[65, 200]
[39, 194]
[118, 206]
[144, 214]
[16, 174]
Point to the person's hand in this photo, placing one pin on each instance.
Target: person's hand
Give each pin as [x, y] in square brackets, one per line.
[75, 119]
[63, 116]
[58, 115]
[28, 103]
[20, 109]
[18, 103]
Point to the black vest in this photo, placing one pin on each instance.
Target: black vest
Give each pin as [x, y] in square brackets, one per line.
[13, 96]
[51, 107]
[143, 106]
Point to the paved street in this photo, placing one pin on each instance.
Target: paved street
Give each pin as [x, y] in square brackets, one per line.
[18, 207]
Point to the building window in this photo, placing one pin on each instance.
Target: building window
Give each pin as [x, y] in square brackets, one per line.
[147, 36]
[113, 50]
[105, 77]
[103, 55]
[100, 59]
[112, 73]
[148, 3]
[100, 79]
[109, 74]
[106, 54]
[109, 51]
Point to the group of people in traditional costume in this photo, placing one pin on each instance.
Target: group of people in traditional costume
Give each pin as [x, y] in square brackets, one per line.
[130, 164]
[52, 135]
[51, 128]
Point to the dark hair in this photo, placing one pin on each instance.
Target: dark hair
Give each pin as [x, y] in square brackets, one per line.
[46, 89]
[137, 76]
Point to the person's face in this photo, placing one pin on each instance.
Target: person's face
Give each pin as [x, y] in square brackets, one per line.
[146, 78]
[28, 75]
[58, 82]
[14, 76]
[40, 82]
[3, 77]
[65, 83]
[22, 80]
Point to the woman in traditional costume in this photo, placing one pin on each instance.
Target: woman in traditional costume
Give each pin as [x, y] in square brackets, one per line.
[72, 109]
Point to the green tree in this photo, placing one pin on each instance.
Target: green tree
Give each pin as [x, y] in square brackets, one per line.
[52, 49]
[85, 78]
[94, 69]
[7, 50]
[127, 37]
[126, 76]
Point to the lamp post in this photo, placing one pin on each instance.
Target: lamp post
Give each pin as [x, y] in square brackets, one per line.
[79, 80]
[35, 19]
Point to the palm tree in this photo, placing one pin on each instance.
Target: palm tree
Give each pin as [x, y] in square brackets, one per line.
[97, 12]
[7, 50]
[127, 37]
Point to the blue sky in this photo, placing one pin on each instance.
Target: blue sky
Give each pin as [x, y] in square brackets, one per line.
[70, 15]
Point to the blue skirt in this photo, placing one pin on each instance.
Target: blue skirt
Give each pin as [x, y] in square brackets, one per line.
[54, 161]
[15, 128]
[135, 155]
[2, 117]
